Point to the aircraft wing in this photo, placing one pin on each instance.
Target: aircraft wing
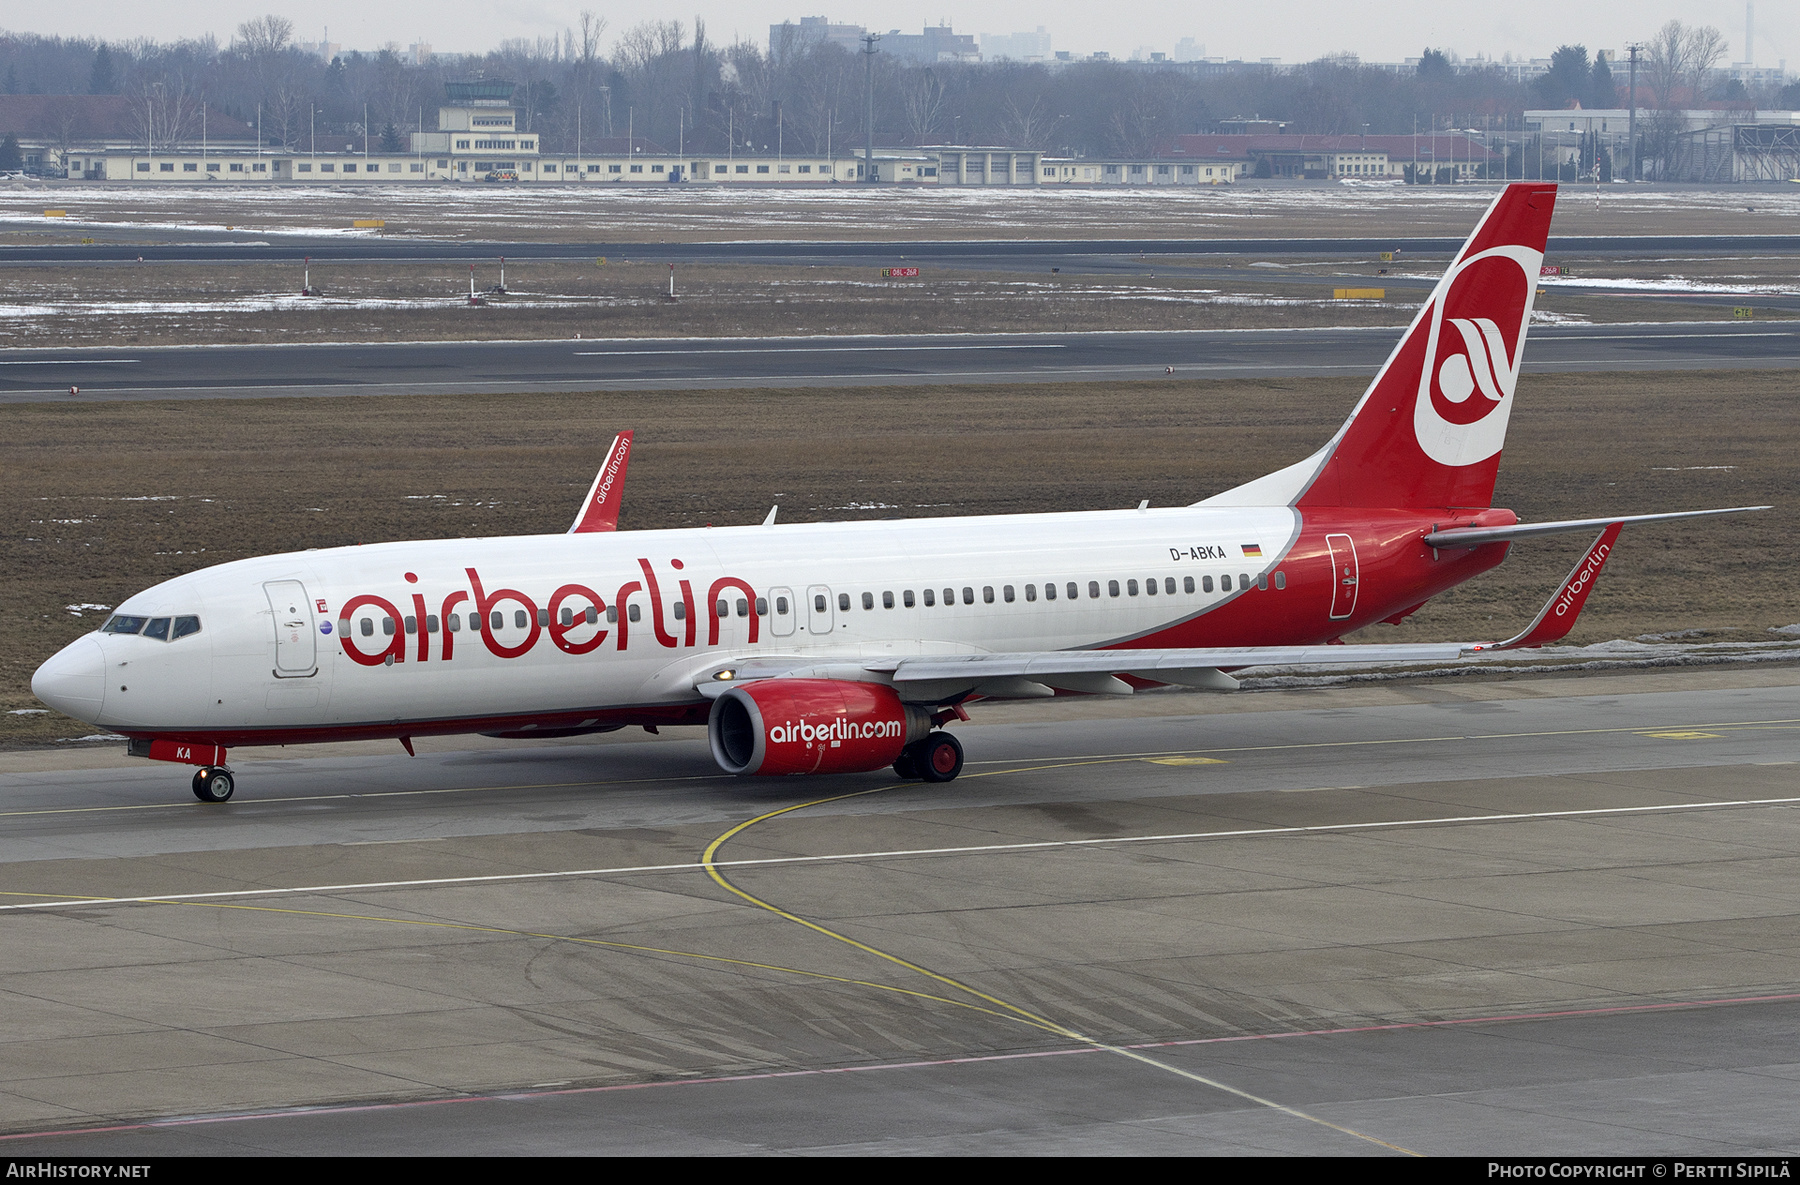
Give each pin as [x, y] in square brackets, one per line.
[600, 509]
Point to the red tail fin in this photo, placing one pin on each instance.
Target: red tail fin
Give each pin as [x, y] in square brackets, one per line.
[1429, 430]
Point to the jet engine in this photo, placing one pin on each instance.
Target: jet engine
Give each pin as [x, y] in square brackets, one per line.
[812, 726]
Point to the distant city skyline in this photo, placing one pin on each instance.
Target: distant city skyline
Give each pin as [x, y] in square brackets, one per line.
[1293, 31]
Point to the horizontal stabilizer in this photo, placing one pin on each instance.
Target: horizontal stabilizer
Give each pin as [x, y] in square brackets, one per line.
[600, 509]
[1476, 536]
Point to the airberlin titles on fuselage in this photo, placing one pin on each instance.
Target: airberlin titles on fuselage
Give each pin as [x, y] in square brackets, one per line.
[575, 618]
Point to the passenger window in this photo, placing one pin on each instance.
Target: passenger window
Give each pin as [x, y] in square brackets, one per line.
[387, 626]
[475, 622]
[1169, 585]
[781, 606]
[1130, 587]
[185, 626]
[1206, 583]
[635, 613]
[1280, 580]
[1031, 592]
[119, 624]
[368, 627]
[930, 598]
[568, 616]
[1150, 586]
[592, 615]
[843, 602]
[887, 600]
[520, 619]
[412, 624]
[1049, 590]
[949, 597]
[1007, 592]
[612, 614]
[1244, 581]
[987, 594]
[1112, 588]
[722, 608]
[969, 595]
[1224, 584]
[544, 616]
[743, 607]
[496, 619]
[431, 623]
[1093, 590]
[680, 610]
[818, 602]
[868, 600]
[158, 629]
[453, 623]
[906, 598]
[762, 606]
[1262, 581]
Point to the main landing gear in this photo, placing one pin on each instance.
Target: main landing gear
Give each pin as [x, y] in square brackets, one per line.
[937, 758]
[213, 783]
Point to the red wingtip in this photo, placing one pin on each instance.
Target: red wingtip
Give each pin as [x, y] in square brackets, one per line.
[600, 509]
[1558, 615]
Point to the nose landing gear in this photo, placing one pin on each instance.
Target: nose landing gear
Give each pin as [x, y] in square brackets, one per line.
[213, 784]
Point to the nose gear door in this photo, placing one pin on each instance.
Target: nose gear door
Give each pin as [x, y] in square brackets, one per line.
[296, 654]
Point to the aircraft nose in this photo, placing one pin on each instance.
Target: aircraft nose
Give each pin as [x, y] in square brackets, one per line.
[73, 681]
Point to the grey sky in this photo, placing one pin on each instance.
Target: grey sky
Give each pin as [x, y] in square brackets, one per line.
[1293, 30]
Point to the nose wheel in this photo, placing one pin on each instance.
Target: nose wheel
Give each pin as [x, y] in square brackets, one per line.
[213, 784]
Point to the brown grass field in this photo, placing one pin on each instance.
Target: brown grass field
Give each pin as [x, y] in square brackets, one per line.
[110, 498]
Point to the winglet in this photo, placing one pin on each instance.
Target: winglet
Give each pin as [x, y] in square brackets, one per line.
[1558, 615]
[600, 510]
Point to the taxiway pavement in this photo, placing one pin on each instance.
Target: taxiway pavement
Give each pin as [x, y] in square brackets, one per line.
[1539, 915]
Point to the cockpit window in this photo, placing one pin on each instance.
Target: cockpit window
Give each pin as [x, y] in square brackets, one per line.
[163, 629]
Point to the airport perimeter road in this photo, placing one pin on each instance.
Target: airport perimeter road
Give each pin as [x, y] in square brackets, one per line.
[194, 245]
[1543, 916]
[678, 363]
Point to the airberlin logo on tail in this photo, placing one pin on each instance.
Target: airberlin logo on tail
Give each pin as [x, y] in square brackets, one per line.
[1475, 340]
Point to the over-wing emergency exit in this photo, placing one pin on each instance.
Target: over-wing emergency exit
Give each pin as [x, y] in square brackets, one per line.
[847, 647]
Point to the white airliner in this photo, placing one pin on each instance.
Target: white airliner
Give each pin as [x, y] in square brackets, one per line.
[845, 647]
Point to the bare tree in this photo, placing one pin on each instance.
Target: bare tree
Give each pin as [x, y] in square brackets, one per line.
[922, 98]
[265, 35]
[1705, 50]
[1682, 58]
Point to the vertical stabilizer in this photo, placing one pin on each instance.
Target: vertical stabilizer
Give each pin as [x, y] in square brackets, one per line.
[1429, 430]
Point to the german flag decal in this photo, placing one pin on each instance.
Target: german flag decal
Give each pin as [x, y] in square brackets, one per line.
[1252, 551]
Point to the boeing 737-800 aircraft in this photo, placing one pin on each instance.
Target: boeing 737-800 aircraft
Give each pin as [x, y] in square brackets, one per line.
[845, 647]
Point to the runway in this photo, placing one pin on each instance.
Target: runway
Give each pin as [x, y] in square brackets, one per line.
[211, 372]
[1538, 916]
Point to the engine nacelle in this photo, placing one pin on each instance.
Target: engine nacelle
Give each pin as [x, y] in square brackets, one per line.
[811, 726]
